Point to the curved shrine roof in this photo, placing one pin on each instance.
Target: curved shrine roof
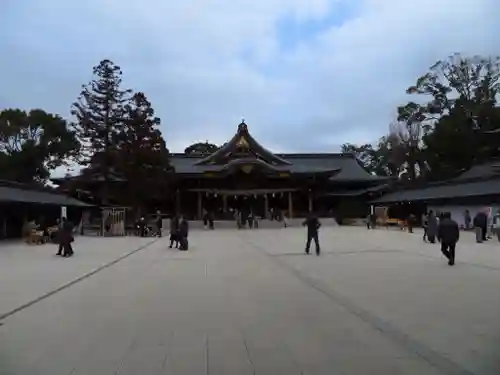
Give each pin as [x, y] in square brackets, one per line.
[242, 147]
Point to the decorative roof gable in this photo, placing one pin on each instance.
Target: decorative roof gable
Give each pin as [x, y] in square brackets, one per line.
[242, 146]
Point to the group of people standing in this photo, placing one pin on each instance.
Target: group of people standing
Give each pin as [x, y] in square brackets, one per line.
[144, 230]
[179, 231]
[244, 217]
[447, 230]
[208, 219]
[483, 224]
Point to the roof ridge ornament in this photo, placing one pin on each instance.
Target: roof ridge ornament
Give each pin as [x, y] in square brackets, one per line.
[242, 128]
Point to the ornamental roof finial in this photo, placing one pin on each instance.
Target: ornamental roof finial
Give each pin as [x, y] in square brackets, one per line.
[242, 128]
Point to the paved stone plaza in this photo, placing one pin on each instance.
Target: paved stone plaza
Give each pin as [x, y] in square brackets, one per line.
[250, 302]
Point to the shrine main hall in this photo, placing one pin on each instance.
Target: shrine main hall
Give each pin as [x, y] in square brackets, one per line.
[243, 174]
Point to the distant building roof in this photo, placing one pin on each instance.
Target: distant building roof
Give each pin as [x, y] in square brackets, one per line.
[443, 191]
[88, 175]
[22, 193]
[481, 171]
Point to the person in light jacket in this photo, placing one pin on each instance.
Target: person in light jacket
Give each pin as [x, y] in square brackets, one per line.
[432, 227]
[496, 224]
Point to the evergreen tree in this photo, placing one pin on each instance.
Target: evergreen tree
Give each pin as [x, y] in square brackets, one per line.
[99, 113]
[201, 148]
[142, 155]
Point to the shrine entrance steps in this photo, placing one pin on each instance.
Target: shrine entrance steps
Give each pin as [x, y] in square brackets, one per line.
[263, 224]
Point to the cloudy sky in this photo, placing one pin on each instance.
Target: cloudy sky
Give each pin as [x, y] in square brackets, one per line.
[307, 75]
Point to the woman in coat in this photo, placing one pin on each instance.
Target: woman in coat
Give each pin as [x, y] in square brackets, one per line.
[432, 226]
[174, 231]
[183, 233]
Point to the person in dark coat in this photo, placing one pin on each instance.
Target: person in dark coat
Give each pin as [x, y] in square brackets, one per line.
[159, 224]
[250, 219]
[448, 235]
[425, 226]
[205, 219]
[183, 233]
[174, 232]
[211, 219]
[57, 237]
[66, 237]
[481, 223]
[411, 222]
[432, 227]
[312, 223]
[142, 227]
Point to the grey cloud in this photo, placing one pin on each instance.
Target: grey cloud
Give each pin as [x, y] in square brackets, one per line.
[208, 64]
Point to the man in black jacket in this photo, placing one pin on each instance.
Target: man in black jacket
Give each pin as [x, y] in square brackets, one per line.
[183, 234]
[481, 223]
[448, 235]
[313, 224]
[159, 223]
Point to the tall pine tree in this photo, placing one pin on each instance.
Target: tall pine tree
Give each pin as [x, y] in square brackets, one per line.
[142, 154]
[99, 113]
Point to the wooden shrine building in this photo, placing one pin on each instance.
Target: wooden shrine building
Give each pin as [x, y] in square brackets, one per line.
[243, 174]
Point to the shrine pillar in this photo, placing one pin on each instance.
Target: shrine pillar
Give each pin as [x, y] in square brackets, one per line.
[266, 206]
[310, 201]
[290, 205]
[200, 206]
[224, 203]
[178, 202]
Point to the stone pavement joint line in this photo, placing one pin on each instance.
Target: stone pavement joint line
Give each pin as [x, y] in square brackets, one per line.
[73, 282]
[434, 358]
[207, 358]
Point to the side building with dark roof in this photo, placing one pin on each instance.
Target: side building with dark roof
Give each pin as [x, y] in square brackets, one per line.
[21, 202]
[474, 190]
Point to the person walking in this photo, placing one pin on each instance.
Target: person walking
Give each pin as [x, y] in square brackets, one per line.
[496, 224]
[481, 225]
[183, 234]
[411, 222]
[67, 238]
[312, 223]
[174, 231]
[159, 224]
[467, 219]
[425, 226]
[142, 226]
[58, 235]
[448, 235]
[211, 219]
[432, 227]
